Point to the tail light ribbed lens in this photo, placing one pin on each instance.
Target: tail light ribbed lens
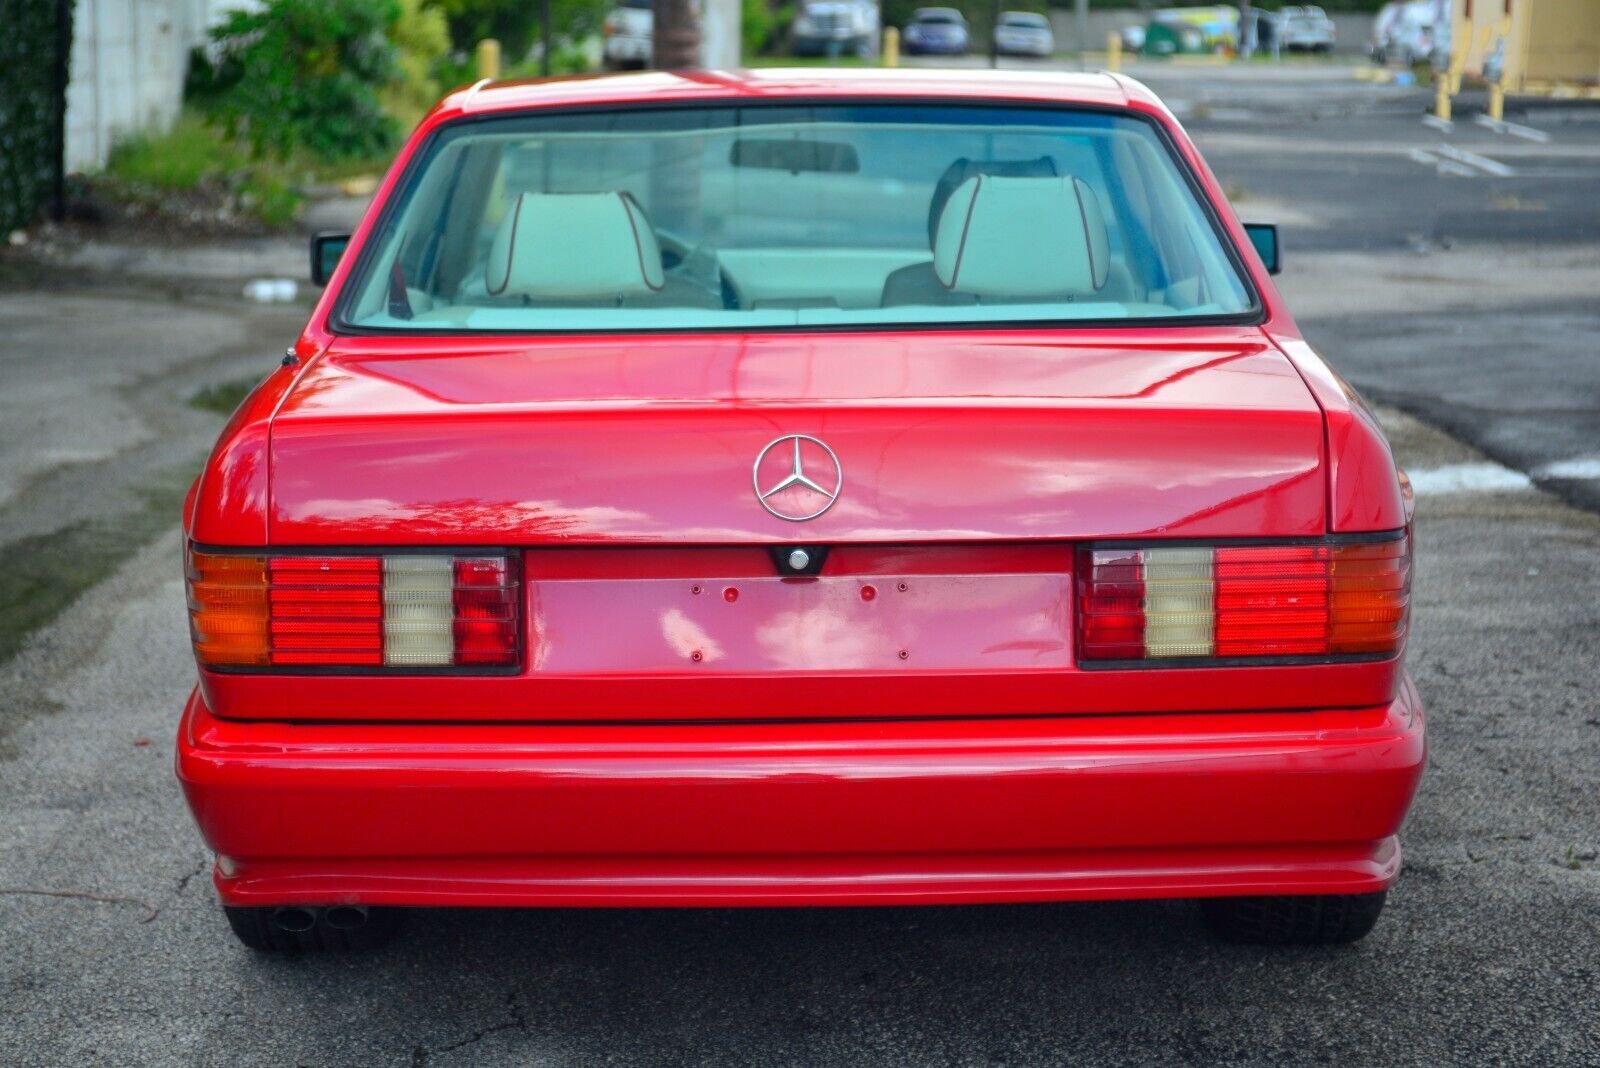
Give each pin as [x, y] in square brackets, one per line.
[394, 611]
[1244, 601]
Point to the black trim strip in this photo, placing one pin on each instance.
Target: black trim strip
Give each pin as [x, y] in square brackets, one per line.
[356, 280]
[1353, 538]
[1234, 661]
[356, 550]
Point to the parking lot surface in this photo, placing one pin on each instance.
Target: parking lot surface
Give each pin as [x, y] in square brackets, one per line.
[113, 951]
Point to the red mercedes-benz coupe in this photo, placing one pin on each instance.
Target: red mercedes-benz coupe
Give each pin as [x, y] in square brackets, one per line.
[800, 488]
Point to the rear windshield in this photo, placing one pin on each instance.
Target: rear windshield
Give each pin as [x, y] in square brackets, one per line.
[754, 218]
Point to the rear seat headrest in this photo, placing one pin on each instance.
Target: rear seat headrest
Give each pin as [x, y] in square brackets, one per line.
[574, 246]
[1022, 237]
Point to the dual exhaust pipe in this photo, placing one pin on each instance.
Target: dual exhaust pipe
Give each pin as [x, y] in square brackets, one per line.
[298, 919]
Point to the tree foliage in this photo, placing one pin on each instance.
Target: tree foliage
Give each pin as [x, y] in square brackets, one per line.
[516, 23]
[307, 74]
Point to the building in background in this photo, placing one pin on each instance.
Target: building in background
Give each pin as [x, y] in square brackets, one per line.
[129, 58]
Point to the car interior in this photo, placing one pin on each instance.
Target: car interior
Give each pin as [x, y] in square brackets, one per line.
[741, 228]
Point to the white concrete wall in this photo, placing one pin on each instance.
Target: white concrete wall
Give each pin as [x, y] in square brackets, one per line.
[128, 63]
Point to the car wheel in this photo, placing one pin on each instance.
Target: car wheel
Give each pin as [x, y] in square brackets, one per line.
[1294, 919]
[298, 929]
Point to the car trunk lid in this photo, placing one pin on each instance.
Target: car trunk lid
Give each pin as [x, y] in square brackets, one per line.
[624, 472]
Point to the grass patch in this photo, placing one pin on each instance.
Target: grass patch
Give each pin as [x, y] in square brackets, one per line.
[41, 575]
[223, 397]
[197, 157]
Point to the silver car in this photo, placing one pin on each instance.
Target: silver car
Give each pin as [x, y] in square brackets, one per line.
[1306, 29]
[1024, 33]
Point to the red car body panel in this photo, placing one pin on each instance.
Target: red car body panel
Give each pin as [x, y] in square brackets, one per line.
[815, 813]
[686, 726]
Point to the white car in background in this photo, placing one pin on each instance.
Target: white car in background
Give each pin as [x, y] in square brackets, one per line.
[835, 28]
[1024, 33]
[628, 32]
[1409, 32]
[1306, 28]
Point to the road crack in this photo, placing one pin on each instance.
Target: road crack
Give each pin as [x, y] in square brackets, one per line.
[518, 1021]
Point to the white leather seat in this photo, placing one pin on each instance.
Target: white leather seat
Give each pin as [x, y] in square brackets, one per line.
[1020, 238]
[574, 246]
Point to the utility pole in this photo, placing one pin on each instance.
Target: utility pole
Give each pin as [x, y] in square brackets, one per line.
[994, 34]
[58, 190]
[1083, 33]
[1247, 30]
[544, 30]
[675, 35]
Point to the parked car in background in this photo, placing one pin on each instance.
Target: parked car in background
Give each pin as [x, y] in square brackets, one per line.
[1133, 38]
[1306, 29]
[936, 31]
[628, 32]
[1024, 33]
[1409, 32]
[835, 27]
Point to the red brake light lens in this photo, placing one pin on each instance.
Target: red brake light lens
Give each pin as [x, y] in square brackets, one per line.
[395, 611]
[486, 611]
[1328, 599]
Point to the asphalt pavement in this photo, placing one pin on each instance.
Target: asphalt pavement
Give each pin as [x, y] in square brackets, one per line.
[113, 951]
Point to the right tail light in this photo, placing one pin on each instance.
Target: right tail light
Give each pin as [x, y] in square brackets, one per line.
[1221, 602]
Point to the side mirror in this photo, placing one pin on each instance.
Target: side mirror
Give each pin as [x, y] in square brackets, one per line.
[1264, 236]
[326, 248]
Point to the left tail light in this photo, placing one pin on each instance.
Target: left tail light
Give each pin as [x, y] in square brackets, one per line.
[391, 612]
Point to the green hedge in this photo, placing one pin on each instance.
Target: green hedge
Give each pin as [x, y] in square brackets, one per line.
[29, 153]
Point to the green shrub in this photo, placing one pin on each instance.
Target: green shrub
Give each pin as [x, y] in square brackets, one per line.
[29, 151]
[194, 155]
[307, 74]
[761, 25]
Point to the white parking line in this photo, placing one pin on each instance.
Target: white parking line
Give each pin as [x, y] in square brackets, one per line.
[1527, 133]
[1468, 478]
[1472, 159]
[1581, 467]
[1443, 166]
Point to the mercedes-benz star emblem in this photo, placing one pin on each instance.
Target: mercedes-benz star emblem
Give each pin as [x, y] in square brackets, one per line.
[787, 491]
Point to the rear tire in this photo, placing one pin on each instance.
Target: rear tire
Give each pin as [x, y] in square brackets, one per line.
[262, 929]
[1293, 919]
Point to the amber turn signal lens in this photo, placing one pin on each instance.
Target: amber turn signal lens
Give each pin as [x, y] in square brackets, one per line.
[228, 613]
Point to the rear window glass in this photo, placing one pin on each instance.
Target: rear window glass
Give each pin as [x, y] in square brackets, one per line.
[792, 216]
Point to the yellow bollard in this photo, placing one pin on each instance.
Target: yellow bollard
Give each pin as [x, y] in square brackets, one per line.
[891, 47]
[1497, 101]
[1113, 52]
[1441, 97]
[489, 58]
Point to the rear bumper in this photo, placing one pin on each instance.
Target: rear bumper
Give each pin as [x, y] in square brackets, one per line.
[934, 811]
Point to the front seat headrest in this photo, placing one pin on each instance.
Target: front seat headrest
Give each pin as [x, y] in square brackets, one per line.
[1022, 238]
[574, 246]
